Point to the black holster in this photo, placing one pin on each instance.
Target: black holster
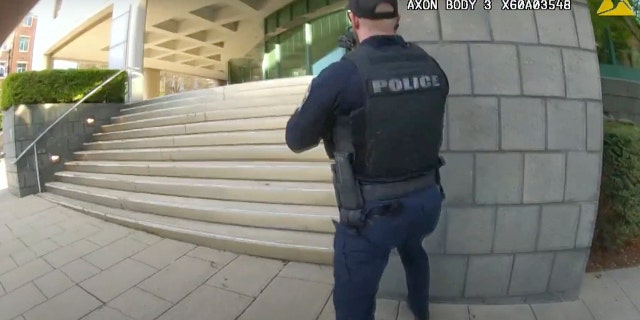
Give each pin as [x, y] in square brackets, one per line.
[348, 193]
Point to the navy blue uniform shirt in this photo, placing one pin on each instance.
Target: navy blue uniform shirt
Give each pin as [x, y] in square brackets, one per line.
[337, 90]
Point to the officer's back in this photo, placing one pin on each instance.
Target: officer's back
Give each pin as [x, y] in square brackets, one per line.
[380, 113]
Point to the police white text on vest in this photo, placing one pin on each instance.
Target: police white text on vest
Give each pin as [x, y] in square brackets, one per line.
[405, 84]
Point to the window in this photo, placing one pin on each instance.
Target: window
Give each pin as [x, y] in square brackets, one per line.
[24, 44]
[28, 21]
[5, 47]
[3, 69]
[22, 67]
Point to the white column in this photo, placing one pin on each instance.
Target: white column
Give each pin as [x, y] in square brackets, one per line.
[127, 43]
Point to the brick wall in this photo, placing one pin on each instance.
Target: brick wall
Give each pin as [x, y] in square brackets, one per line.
[523, 146]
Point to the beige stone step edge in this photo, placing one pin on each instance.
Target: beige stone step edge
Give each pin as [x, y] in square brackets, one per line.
[215, 115]
[244, 170]
[216, 153]
[259, 215]
[174, 99]
[210, 106]
[274, 136]
[258, 88]
[274, 192]
[320, 254]
[250, 124]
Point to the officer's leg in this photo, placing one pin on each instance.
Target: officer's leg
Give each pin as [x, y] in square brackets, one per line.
[358, 267]
[425, 213]
[416, 266]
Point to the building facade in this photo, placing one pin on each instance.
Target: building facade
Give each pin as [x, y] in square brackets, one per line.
[16, 53]
[523, 137]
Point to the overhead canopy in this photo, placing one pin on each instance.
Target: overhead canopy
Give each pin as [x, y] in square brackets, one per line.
[195, 37]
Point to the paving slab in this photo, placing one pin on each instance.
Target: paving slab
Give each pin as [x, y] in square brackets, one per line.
[70, 252]
[106, 313]
[387, 309]
[117, 279]
[606, 300]
[7, 264]
[629, 281]
[80, 270]
[329, 311]
[309, 272]
[43, 247]
[23, 257]
[40, 234]
[286, 298]
[179, 279]
[53, 283]
[144, 237]
[71, 304]
[510, 312]
[140, 304]
[24, 274]
[163, 253]
[13, 246]
[19, 301]
[109, 235]
[247, 275]
[74, 234]
[219, 258]
[115, 252]
[575, 310]
[209, 303]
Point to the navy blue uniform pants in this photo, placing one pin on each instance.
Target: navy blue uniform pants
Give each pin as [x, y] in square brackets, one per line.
[360, 256]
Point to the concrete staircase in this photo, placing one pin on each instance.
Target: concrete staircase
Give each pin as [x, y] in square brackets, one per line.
[209, 167]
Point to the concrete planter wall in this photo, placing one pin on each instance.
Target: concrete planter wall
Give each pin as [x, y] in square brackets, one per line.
[523, 145]
[621, 98]
[22, 124]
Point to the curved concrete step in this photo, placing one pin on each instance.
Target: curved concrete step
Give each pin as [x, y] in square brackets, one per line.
[261, 215]
[278, 244]
[235, 103]
[251, 124]
[172, 100]
[193, 140]
[248, 170]
[277, 87]
[278, 192]
[216, 153]
[215, 115]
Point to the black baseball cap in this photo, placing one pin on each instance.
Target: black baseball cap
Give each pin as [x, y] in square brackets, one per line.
[366, 9]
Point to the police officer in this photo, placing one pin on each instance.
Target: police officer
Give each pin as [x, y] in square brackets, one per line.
[379, 112]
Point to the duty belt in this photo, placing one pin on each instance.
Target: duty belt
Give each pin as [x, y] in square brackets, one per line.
[395, 190]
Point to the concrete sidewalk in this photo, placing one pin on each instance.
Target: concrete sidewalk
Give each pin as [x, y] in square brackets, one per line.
[56, 263]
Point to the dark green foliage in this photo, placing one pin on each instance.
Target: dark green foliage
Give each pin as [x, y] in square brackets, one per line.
[619, 210]
[61, 86]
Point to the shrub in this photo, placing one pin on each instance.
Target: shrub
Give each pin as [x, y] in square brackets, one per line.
[61, 86]
[618, 218]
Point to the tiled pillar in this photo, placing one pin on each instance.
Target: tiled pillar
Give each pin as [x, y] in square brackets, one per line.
[127, 43]
[523, 145]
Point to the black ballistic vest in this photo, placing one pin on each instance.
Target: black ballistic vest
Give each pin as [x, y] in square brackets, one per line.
[398, 133]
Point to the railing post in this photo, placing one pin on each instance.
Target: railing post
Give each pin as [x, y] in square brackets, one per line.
[35, 158]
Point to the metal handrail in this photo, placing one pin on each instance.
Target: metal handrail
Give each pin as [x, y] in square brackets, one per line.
[34, 143]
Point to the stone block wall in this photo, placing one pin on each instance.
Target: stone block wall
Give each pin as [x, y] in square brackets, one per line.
[523, 145]
[621, 99]
[23, 124]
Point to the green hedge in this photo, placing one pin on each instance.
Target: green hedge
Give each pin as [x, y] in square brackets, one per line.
[618, 218]
[61, 86]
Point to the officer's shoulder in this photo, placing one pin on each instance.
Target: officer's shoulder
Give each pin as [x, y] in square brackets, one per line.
[341, 69]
